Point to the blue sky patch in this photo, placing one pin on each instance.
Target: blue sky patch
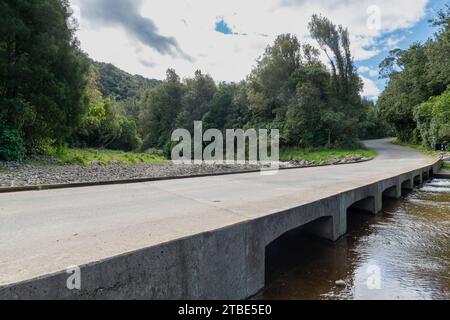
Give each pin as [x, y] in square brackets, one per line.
[223, 27]
[418, 33]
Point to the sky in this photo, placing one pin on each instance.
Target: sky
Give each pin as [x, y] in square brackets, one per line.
[225, 38]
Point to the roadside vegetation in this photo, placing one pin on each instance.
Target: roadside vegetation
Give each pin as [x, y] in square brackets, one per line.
[96, 156]
[417, 147]
[88, 156]
[323, 155]
[416, 101]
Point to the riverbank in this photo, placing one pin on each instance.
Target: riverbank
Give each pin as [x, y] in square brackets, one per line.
[91, 166]
[36, 174]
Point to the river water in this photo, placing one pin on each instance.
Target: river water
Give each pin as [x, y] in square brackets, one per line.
[404, 253]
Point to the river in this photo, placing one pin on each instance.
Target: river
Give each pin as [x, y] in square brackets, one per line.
[403, 253]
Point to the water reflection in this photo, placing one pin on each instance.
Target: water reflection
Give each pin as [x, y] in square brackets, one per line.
[401, 254]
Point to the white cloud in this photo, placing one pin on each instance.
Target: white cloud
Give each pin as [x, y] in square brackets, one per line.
[258, 22]
[370, 88]
[393, 42]
[363, 69]
[372, 72]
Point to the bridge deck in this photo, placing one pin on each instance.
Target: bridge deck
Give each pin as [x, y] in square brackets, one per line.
[44, 232]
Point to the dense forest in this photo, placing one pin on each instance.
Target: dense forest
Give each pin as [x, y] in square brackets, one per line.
[416, 101]
[116, 84]
[52, 95]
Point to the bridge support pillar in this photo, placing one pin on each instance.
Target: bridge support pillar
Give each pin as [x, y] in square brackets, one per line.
[255, 259]
[378, 202]
[418, 179]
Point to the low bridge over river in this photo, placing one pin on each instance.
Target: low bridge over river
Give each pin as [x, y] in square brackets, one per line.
[189, 238]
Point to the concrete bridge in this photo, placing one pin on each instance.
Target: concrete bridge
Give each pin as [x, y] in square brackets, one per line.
[196, 238]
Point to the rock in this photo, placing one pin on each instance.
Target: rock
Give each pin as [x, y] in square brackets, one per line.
[336, 161]
[23, 174]
[341, 283]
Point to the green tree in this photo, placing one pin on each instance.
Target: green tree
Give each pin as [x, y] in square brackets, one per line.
[271, 85]
[433, 120]
[345, 114]
[41, 70]
[160, 107]
[228, 108]
[219, 107]
[105, 124]
[334, 41]
[198, 94]
[414, 75]
[305, 125]
[438, 54]
[373, 125]
[292, 90]
[11, 143]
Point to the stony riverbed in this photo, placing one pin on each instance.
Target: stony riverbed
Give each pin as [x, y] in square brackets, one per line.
[13, 174]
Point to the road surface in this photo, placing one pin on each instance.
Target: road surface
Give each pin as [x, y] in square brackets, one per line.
[44, 232]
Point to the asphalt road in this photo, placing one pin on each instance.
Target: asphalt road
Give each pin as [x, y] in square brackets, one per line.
[43, 232]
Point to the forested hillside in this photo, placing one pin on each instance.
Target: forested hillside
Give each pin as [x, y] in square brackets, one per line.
[53, 96]
[119, 85]
[416, 101]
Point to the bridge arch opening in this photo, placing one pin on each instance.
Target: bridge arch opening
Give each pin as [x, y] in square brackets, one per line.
[425, 175]
[293, 248]
[366, 205]
[360, 212]
[391, 192]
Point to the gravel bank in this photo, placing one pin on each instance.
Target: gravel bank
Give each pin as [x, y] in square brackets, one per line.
[14, 174]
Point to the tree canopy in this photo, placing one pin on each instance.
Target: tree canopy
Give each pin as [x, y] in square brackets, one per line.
[417, 91]
[42, 71]
[117, 84]
[52, 93]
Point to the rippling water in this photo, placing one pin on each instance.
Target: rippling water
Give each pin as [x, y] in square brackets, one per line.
[404, 253]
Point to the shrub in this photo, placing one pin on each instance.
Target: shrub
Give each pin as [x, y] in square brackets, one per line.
[11, 144]
[433, 120]
[128, 139]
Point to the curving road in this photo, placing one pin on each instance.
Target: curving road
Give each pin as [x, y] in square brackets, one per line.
[43, 232]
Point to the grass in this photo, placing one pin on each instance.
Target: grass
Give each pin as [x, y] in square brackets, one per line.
[320, 155]
[417, 148]
[446, 166]
[91, 156]
[88, 156]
